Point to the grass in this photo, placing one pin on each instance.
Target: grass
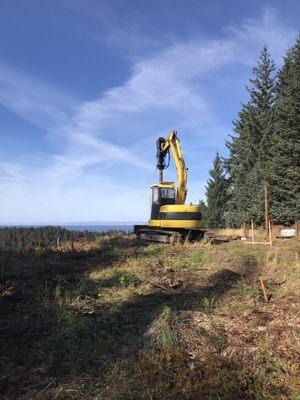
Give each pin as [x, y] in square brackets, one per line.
[117, 319]
[161, 335]
[208, 303]
[246, 290]
[128, 279]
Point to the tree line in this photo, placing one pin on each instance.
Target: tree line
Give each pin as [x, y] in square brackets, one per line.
[264, 150]
[19, 238]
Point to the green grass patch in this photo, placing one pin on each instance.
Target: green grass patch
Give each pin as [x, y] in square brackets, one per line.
[128, 279]
[208, 304]
[246, 290]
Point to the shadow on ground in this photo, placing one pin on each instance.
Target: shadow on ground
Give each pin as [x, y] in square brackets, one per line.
[45, 344]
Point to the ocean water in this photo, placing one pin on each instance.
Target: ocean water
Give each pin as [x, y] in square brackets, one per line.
[94, 228]
[99, 228]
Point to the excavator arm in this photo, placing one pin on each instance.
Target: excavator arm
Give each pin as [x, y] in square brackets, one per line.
[164, 146]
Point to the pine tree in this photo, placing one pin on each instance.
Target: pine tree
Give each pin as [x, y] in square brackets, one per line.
[283, 166]
[203, 206]
[216, 195]
[246, 199]
[247, 150]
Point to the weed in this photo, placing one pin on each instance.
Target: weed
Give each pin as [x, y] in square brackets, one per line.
[128, 279]
[161, 332]
[200, 257]
[245, 290]
[90, 388]
[58, 295]
[208, 303]
[168, 314]
[167, 338]
[82, 287]
[296, 397]
[213, 394]
[179, 264]
[42, 294]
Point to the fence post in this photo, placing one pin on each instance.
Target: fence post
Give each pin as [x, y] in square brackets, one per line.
[297, 227]
[270, 233]
[266, 190]
[252, 231]
[244, 231]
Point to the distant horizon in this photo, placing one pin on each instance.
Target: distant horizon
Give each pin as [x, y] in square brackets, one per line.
[84, 223]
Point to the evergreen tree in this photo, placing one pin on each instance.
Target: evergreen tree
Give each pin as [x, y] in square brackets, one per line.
[246, 199]
[203, 206]
[217, 195]
[20, 238]
[283, 166]
[247, 150]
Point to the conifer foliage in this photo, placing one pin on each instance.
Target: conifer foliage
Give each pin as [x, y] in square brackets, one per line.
[247, 149]
[265, 148]
[20, 238]
[283, 168]
[217, 195]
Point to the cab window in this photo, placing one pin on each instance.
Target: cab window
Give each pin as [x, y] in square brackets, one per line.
[167, 193]
[155, 195]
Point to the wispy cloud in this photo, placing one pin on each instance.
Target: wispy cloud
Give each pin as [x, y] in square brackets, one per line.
[10, 171]
[170, 81]
[33, 100]
[270, 30]
[110, 28]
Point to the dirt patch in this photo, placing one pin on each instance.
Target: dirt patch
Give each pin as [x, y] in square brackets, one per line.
[169, 280]
[223, 277]
[176, 281]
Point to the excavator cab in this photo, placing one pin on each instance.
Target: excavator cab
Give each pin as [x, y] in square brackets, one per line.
[162, 194]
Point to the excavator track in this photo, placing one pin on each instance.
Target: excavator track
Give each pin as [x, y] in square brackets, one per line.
[143, 232]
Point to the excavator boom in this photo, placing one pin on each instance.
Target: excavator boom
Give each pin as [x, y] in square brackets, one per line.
[164, 146]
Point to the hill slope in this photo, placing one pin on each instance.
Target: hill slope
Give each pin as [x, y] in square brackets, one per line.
[114, 319]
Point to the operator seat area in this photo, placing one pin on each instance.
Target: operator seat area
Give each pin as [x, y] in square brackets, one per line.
[161, 196]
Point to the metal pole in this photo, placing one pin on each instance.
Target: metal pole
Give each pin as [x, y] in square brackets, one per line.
[161, 176]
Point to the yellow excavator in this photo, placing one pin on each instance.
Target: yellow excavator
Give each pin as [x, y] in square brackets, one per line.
[171, 219]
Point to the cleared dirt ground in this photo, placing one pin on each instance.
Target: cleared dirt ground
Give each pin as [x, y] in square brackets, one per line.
[116, 319]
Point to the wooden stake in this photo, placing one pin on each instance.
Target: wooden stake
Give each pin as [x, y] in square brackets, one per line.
[268, 243]
[266, 209]
[262, 285]
[252, 231]
[270, 233]
[244, 231]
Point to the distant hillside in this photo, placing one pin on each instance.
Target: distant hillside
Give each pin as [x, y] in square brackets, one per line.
[18, 238]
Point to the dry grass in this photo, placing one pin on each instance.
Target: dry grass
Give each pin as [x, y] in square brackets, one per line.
[229, 232]
[120, 320]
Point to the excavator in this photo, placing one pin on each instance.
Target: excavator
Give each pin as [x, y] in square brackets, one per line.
[171, 220]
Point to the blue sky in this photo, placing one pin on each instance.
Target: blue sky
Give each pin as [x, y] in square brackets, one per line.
[86, 87]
